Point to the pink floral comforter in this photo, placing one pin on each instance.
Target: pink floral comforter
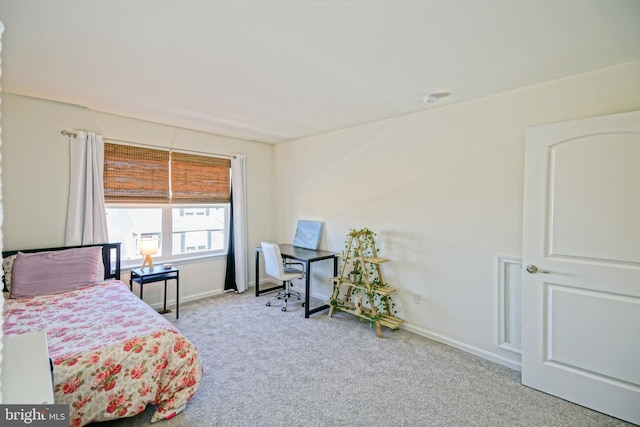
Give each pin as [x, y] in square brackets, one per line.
[112, 353]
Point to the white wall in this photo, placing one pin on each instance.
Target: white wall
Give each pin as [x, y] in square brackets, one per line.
[444, 190]
[35, 179]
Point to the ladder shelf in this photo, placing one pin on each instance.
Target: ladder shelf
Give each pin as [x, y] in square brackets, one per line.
[364, 284]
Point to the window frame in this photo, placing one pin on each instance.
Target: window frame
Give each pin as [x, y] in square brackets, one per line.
[167, 232]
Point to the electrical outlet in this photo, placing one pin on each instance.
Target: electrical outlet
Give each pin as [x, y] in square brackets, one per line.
[417, 297]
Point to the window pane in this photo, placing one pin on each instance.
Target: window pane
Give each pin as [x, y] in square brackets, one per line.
[128, 225]
[197, 229]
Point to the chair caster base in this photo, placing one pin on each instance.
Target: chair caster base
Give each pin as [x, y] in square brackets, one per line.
[285, 297]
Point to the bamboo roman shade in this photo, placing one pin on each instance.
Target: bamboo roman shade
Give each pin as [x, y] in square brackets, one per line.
[199, 179]
[135, 174]
[144, 175]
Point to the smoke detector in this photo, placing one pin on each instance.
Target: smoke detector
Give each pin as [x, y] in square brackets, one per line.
[432, 98]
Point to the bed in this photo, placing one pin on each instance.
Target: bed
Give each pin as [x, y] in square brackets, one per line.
[112, 354]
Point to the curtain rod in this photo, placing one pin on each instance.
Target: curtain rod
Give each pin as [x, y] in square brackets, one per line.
[228, 156]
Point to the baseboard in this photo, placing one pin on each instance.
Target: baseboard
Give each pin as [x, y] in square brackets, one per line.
[464, 347]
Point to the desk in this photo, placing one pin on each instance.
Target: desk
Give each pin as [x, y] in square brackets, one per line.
[144, 275]
[306, 256]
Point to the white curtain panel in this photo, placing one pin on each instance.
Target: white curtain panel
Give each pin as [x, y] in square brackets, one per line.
[86, 217]
[238, 180]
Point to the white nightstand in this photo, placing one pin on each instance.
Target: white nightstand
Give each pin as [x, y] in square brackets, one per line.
[26, 370]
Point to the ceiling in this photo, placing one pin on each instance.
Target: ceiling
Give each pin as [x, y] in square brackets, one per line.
[277, 70]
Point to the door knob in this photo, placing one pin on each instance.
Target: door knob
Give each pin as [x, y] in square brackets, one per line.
[533, 269]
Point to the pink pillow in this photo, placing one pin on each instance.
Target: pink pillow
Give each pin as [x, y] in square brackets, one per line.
[52, 272]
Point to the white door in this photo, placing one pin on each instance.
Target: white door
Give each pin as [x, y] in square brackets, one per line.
[581, 310]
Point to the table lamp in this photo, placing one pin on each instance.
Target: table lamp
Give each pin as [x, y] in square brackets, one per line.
[148, 247]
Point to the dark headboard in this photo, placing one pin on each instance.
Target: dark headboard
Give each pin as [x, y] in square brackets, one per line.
[110, 256]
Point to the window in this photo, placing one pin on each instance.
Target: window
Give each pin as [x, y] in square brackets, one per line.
[189, 231]
[182, 199]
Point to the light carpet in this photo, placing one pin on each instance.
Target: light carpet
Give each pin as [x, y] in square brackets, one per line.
[263, 367]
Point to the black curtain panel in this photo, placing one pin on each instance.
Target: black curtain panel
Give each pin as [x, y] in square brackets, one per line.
[230, 278]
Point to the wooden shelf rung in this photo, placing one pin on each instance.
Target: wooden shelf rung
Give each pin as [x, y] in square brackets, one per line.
[384, 290]
[375, 260]
[391, 322]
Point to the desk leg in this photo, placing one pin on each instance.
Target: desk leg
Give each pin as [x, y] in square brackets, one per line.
[307, 310]
[164, 306]
[164, 309]
[177, 295]
[307, 288]
[141, 287]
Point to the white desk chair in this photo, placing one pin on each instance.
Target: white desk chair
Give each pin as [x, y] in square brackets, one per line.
[275, 267]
